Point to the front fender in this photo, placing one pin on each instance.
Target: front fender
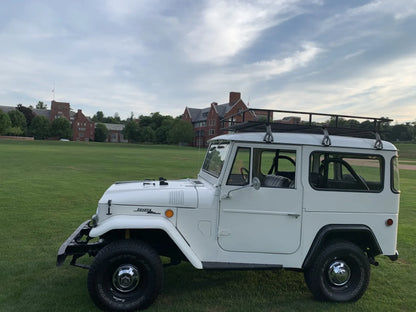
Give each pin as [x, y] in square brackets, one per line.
[159, 223]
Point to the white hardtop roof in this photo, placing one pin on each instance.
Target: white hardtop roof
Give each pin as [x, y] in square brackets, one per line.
[304, 139]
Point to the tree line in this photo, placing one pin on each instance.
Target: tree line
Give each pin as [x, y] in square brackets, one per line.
[23, 122]
[159, 129]
[398, 132]
[154, 128]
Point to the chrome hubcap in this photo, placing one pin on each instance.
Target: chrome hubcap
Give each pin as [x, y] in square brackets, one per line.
[339, 273]
[126, 278]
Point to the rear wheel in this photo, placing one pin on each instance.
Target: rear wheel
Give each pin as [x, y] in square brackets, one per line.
[341, 272]
[125, 276]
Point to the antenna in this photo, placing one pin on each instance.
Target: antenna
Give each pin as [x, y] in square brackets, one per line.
[53, 92]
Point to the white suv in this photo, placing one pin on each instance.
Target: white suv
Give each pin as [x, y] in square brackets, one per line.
[320, 203]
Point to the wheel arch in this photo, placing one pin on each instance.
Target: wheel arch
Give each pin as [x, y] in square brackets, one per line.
[159, 232]
[359, 234]
[158, 239]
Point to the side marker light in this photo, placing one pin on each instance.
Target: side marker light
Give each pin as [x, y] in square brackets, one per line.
[169, 213]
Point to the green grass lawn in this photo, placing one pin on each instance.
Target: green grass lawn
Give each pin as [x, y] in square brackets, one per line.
[48, 188]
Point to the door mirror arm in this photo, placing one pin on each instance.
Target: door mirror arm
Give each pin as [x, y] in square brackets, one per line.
[255, 184]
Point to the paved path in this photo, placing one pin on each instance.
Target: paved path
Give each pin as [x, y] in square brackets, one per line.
[407, 167]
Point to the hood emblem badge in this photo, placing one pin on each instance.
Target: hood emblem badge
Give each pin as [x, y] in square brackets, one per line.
[147, 210]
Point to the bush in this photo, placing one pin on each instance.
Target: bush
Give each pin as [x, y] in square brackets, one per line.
[101, 133]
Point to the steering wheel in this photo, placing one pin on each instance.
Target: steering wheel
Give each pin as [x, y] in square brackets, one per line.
[288, 158]
[354, 174]
[244, 174]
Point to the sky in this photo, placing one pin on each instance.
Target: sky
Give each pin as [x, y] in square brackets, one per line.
[145, 56]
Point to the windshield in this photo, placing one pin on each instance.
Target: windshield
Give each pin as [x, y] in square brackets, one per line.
[214, 159]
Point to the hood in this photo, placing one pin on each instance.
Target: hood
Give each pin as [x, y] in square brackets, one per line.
[179, 193]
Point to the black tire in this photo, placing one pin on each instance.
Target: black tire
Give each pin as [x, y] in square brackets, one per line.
[125, 276]
[341, 273]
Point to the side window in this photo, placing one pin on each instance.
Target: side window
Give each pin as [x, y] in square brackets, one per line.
[346, 172]
[240, 172]
[395, 182]
[277, 167]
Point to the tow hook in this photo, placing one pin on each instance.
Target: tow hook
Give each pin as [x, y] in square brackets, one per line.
[372, 261]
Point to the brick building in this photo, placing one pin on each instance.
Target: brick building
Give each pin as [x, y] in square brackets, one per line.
[83, 129]
[206, 121]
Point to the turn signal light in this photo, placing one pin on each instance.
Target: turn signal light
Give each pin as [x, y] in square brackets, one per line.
[389, 222]
[169, 213]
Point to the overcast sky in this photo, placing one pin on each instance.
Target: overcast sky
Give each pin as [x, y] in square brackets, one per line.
[333, 56]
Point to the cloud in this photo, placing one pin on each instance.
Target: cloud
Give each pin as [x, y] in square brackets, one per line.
[399, 9]
[227, 27]
[259, 72]
[388, 91]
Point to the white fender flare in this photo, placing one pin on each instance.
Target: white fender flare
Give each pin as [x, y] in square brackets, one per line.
[128, 222]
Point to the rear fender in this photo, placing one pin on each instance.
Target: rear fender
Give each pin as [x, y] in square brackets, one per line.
[141, 223]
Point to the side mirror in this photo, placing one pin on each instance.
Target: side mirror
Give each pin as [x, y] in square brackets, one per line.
[256, 183]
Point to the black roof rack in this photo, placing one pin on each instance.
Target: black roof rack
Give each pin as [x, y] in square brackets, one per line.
[261, 120]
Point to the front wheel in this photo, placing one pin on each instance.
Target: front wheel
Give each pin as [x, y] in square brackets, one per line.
[341, 272]
[125, 276]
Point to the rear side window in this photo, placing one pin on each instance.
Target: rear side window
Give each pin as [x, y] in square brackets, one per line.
[346, 172]
[395, 182]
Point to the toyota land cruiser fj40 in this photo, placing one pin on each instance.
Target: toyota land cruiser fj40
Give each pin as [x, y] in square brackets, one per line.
[307, 197]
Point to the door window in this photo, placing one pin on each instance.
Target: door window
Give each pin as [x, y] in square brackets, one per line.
[276, 167]
[240, 172]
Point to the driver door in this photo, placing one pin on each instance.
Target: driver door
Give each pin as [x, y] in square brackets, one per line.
[267, 220]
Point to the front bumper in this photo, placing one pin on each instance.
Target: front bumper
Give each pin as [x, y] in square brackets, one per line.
[78, 245]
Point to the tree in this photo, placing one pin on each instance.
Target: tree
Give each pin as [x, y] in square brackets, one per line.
[61, 128]
[147, 135]
[98, 117]
[29, 115]
[18, 121]
[163, 130]
[41, 105]
[5, 123]
[182, 132]
[402, 132]
[39, 127]
[131, 131]
[101, 133]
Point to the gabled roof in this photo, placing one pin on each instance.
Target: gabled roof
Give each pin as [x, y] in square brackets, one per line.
[7, 109]
[42, 112]
[200, 114]
[114, 127]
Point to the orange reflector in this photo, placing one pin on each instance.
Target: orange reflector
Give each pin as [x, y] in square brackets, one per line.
[169, 213]
[389, 222]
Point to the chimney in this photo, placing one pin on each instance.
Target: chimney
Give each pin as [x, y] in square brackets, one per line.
[234, 98]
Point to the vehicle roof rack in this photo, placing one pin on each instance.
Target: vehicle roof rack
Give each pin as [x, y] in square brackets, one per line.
[261, 120]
